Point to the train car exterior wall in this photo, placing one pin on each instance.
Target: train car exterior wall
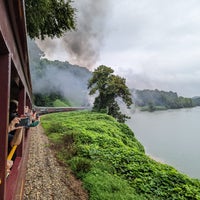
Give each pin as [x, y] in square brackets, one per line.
[13, 65]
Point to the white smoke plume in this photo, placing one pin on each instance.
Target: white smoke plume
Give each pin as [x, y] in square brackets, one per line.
[61, 80]
[82, 46]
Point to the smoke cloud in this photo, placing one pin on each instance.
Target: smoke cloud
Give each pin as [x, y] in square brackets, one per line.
[82, 46]
[55, 76]
[67, 84]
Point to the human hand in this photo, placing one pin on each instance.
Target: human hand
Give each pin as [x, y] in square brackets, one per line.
[12, 124]
[9, 165]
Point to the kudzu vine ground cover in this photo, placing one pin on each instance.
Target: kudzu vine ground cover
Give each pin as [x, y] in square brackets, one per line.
[111, 162]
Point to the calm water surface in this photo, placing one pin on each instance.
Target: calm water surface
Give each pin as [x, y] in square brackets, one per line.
[171, 136]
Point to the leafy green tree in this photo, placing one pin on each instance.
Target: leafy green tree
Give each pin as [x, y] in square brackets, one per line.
[110, 87]
[151, 107]
[49, 18]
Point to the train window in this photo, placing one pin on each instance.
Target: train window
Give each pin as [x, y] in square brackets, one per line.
[15, 84]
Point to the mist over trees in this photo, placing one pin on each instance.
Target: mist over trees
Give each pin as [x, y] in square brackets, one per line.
[52, 80]
[109, 87]
[55, 80]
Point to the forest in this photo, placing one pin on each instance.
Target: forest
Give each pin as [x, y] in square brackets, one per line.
[161, 100]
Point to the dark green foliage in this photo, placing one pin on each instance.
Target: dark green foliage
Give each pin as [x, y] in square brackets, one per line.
[55, 127]
[155, 100]
[151, 107]
[196, 101]
[49, 99]
[80, 166]
[109, 88]
[49, 18]
[111, 162]
[107, 187]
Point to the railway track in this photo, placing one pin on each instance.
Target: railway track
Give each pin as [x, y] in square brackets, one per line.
[46, 178]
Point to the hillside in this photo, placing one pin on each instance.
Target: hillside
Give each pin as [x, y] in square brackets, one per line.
[156, 99]
[56, 80]
[196, 101]
[111, 162]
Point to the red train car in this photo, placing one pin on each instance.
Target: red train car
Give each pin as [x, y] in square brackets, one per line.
[15, 83]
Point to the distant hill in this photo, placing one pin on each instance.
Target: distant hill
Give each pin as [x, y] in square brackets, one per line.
[196, 101]
[155, 99]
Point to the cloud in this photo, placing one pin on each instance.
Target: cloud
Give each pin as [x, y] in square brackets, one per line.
[155, 44]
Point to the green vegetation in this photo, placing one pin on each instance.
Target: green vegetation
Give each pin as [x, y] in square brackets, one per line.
[49, 18]
[110, 87]
[50, 100]
[152, 108]
[159, 100]
[111, 162]
[196, 101]
[59, 103]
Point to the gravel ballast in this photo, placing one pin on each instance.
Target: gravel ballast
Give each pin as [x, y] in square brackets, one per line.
[46, 178]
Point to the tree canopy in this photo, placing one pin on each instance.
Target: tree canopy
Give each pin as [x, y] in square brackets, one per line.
[49, 18]
[156, 98]
[110, 87]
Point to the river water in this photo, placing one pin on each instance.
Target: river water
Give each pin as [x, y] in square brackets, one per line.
[171, 136]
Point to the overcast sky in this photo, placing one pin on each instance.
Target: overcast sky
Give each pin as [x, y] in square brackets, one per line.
[151, 43]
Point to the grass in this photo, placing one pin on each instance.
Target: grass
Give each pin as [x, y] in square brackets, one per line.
[111, 162]
[59, 103]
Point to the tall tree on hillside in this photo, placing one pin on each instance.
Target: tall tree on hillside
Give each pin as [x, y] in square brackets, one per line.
[110, 87]
[49, 18]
